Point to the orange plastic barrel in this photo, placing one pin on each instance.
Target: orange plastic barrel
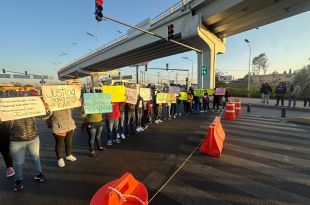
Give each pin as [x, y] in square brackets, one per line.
[237, 107]
[230, 111]
[123, 191]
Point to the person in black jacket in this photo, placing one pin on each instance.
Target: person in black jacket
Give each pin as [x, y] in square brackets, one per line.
[24, 136]
[5, 149]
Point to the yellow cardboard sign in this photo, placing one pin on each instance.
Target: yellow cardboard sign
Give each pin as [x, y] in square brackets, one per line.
[172, 98]
[161, 98]
[118, 92]
[183, 96]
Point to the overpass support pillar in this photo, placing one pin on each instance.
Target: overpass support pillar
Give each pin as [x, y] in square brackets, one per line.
[207, 58]
[95, 79]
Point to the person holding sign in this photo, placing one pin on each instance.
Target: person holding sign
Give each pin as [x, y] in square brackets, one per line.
[24, 136]
[94, 126]
[113, 121]
[205, 102]
[63, 127]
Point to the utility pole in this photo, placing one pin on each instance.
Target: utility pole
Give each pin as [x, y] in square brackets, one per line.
[176, 78]
[158, 77]
[137, 74]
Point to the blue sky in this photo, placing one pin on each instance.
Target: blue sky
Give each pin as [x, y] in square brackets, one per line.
[33, 35]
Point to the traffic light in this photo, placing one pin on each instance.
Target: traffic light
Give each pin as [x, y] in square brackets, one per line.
[145, 67]
[167, 66]
[204, 70]
[99, 8]
[170, 31]
[3, 70]
[26, 73]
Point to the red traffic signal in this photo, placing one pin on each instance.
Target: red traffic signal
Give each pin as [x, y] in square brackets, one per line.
[99, 8]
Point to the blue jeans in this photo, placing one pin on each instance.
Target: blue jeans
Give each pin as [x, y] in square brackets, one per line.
[290, 99]
[18, 150]
[94, 132]
[113, 123]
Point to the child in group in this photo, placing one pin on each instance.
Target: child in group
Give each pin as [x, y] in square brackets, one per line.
[205, 102]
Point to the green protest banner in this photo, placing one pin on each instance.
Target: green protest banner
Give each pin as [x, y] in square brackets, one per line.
[199, 92]
[183, 96]
[61, 97]
[97, 103]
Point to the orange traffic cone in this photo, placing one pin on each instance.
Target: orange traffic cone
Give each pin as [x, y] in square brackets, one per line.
[123, 191]
[214, 141]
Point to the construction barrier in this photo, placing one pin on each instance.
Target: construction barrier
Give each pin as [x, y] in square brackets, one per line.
[123, 191]
[237, 107]
[230, 111]
[214, 140]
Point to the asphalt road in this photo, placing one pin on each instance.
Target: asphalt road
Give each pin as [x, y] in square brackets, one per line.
[265, 161]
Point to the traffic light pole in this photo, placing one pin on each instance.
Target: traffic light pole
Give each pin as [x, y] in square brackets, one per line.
[153, 34]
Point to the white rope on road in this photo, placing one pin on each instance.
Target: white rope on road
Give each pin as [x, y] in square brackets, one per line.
[182, 165]
[125, 196]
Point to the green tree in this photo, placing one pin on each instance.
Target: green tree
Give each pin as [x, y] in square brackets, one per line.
[260, 63]
[303, 76]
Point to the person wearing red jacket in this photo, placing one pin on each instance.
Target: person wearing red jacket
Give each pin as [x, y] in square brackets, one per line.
[113, 119]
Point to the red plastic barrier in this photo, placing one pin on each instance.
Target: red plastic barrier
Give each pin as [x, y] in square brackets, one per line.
[230, 111]
[214, 140]
[237, 107]
[123, 191]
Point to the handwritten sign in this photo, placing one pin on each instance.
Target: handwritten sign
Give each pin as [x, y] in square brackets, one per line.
[97, 103]
[183, 96]
[174, 89]
[220, 91]
[131, 96]
[21, 107]
[145, 93]
[61, 97]
[118, 92]
[172, 98]
[161, 98]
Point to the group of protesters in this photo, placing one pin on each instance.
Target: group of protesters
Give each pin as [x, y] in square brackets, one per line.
[17, 136]
[292, 92]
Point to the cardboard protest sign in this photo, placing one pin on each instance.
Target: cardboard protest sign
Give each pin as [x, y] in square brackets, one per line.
[161, 98]
[61, 97]
[172, 98]
[118, 92]
[199, 92]
[174, 89]
[131, 96]
[210, 91]
[97, 103]
[183, 96]
[220, 91]
[145, 93]
[21, 107]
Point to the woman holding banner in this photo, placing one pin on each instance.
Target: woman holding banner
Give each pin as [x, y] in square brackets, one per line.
[63, 127]
[113, 121]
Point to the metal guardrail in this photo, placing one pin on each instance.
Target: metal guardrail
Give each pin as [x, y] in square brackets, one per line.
[176, 7]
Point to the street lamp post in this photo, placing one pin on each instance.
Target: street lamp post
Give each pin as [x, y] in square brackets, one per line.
[249, 74]
[186, 58]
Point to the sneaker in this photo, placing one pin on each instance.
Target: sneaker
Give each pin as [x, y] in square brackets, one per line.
[18, 185]
[70, 158]
[92, 154]
[138, 129]
[141, 129]
[123, 136]
[117, 141]
[146, 126]
[101, 149]
[156, 121]
[9, 172]
[174, 117]
[118, 136]
[40, 177]
[160, 120]
[109, 142]
[201, 111]
[61, 162]
[180, 114]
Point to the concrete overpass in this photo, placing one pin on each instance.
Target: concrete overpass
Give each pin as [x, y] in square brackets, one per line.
[203, 24]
